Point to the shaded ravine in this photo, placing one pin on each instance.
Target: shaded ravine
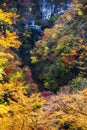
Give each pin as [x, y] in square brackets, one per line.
[36, 33]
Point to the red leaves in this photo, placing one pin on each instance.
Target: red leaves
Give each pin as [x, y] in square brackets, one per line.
[8, 71]
[28, 75]
[46, 94]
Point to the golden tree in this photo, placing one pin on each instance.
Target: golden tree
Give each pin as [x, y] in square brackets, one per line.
[17, 111]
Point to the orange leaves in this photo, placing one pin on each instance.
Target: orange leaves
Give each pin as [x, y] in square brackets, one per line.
[81, 41]
[69, 58]
[84, 47]
[73, 52]
[42, 128]
[81, 56]
[47, 33]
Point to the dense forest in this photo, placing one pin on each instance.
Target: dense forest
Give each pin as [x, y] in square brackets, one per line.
[43, 64]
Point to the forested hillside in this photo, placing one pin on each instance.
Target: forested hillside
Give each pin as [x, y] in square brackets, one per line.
[43, 65]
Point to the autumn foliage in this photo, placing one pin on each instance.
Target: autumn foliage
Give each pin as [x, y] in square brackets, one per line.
[63, 49]
[60, 63]
[15, 105]
[65, 111]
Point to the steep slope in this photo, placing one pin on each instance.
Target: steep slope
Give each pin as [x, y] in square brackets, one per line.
[60, 57]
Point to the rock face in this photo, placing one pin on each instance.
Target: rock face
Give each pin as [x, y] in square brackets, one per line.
[44, 9]
[44, 12]
[52, 8]
[35, 28]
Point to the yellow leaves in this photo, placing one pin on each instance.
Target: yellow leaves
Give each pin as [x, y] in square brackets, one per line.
[4, 58]
[46, 84]
[16, 76]
[19, 74]
[69, 17]
[65, 108]
[36, 102]
[80, 13]
[3, 109]
[58, 26]
[11, 86]
[2, 54]
[46, 49]
[25, 111]
[1, 73]
[54, 36]
[58, 46]
[7, 17]
[34, 59]
[21, 109]
[10, 40]
[3, 61]
[5, 43]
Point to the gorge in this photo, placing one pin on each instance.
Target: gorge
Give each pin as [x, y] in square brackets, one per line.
[45, 12]
[43, 15]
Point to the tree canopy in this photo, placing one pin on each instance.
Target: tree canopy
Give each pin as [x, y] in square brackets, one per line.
[57, 62]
